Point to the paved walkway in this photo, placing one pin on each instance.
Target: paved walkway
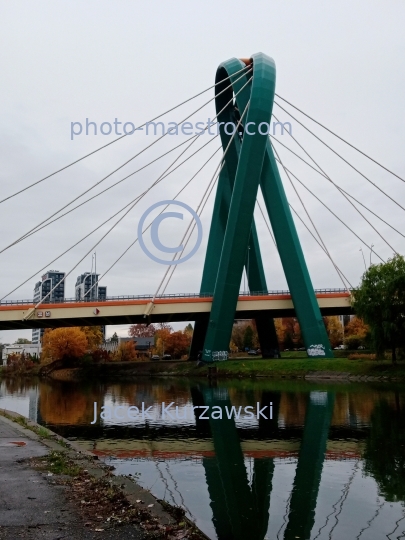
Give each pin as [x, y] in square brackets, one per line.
[32, 506]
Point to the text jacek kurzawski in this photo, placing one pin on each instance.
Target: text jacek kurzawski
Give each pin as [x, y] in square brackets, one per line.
[171, 411]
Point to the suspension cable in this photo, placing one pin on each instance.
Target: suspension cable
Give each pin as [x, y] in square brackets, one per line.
[133, 203]
[121, 137]
[330, 180]
[267, 225]
[212, 182]
[316, 240]
[96, 229]
[150, 224]
[341, 138]
[337, 187]
[199, 212]
[342, 158]
[310, 219]
[161, 177]
[308, 229]
[38, 227]
[337, 217]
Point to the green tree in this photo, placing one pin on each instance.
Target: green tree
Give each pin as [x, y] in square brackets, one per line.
[189, 329]
[22, 341]
[248, 337]
[380, 302]
[114, 337]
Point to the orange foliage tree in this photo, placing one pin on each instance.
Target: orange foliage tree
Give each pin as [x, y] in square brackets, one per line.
[161, 339]
[357, 327]
[178, 343]
[94, 336]
[63, 343]
[280, 331]
[289, 333]
[126, 352]
[334, 330]
[142, 330]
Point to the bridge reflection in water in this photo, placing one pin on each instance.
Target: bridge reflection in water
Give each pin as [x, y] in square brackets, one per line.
[295, 475]
[241, 510]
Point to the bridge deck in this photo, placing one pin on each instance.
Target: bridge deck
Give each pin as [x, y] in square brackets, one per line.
[12, 317]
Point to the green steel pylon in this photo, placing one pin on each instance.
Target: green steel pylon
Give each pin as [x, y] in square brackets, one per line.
[253, 262]
[254, 163]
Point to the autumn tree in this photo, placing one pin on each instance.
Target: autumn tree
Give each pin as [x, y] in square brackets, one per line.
[380, 302]
[161, 340]
[94, 336]
[125, 352]
[292, 333]
[63, 344]
[163, 326]
[357, 327]
[142, 330]
[357, 333]
[334, 330]
[280, 331]
[178, 343]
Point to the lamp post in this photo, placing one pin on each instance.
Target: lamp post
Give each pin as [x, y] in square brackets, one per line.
[364, 259]
[248, 261]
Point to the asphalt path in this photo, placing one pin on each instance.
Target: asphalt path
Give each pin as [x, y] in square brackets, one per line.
[32, 504]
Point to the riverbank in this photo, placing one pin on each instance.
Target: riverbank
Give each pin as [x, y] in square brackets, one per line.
[56, 488]
[292, 365]
[284, 368]
[302, 368]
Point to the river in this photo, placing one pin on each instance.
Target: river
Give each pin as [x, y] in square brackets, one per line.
[308, 461]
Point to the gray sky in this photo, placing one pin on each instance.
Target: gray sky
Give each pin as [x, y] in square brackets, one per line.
[63, 62]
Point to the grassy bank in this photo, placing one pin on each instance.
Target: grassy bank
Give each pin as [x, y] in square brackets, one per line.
[299, 368]
[292, 365]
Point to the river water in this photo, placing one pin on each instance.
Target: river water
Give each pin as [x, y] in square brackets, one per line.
[306, 461]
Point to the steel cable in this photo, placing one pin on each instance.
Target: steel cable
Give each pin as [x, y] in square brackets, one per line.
[245, 69]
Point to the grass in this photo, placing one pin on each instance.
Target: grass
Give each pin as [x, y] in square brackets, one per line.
[42, 432]
[297, 367]
[59, 463]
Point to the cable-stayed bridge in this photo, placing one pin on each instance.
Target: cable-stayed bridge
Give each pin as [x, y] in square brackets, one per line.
[167, 308]
[249, 158]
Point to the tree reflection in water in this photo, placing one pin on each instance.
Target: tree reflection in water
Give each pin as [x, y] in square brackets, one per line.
[384, 456]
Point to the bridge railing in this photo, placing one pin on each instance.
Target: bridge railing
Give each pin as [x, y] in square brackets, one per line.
[150, 296]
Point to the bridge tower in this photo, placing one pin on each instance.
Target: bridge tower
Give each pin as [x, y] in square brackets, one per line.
[250, 162]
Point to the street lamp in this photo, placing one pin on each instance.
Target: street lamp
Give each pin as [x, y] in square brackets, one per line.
[371, 251]
[364, 259]
[248, 261]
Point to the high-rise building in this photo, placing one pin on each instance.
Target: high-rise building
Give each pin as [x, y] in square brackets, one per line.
[53, 279]
[87, 288]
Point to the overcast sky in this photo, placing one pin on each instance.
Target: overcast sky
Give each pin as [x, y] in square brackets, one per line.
[62, 62]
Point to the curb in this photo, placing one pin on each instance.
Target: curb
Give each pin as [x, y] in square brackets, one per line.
[130, 489]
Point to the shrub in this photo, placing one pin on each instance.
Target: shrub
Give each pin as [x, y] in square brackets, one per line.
[354, 342]
[361, 356]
